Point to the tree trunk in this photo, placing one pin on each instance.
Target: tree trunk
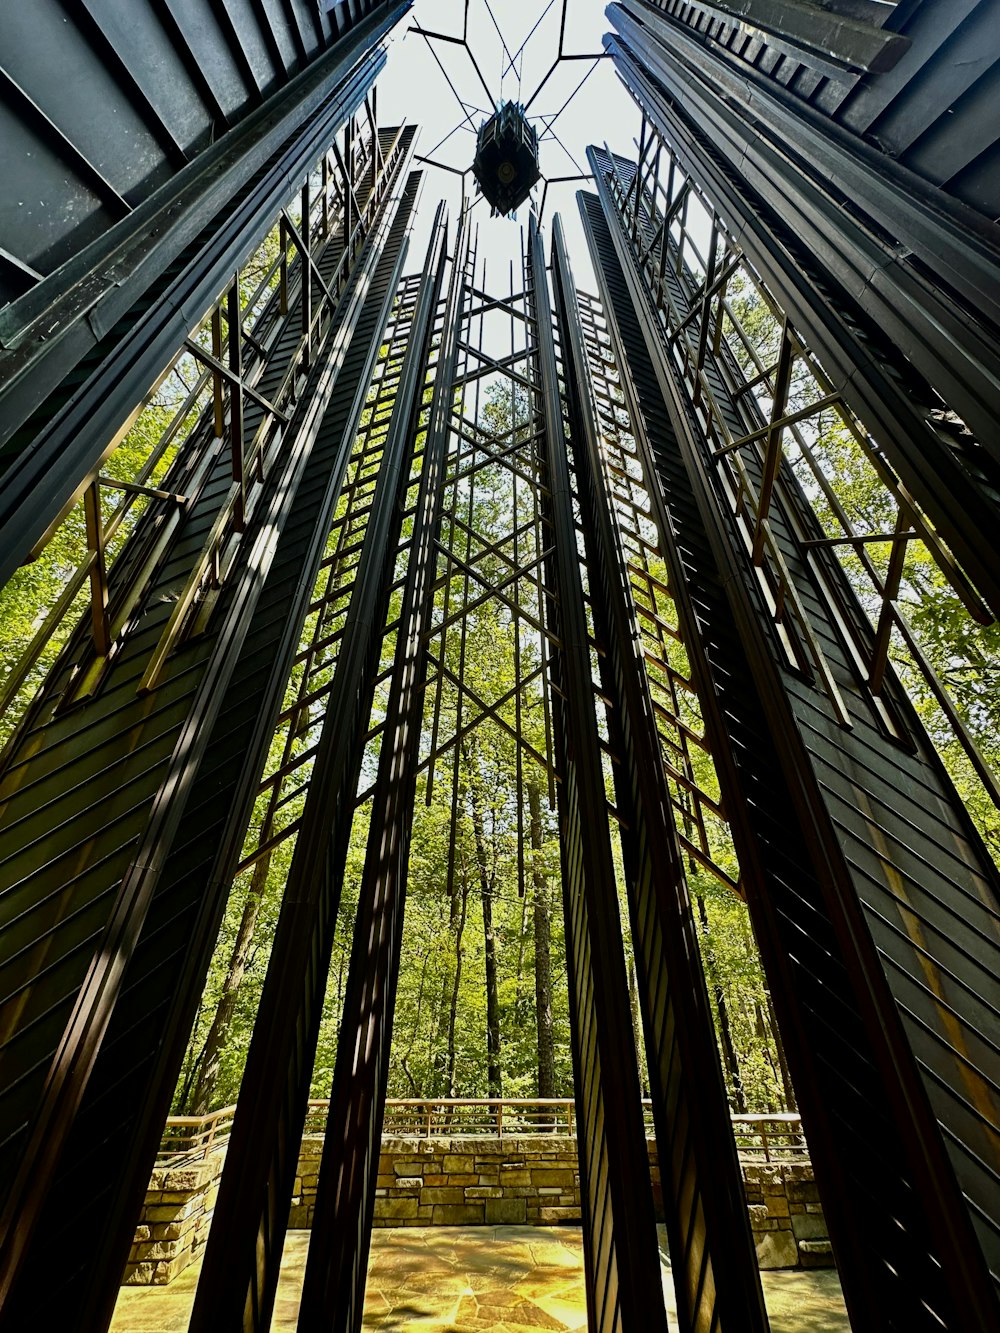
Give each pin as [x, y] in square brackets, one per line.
[786, 1080]
[493, 1070]
[640, 1048]
[521, 937]
[458, 930]
[729, 1056]
[444, 1061]
[211, 1052]
[543, 958]
[404, 1060]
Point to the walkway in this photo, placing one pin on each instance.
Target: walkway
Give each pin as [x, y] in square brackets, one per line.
[470, 1279]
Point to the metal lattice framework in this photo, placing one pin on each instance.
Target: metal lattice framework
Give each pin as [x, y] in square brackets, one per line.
[694, 795]
[278, 563]
[514, 65]
[258, 442]
[907, 908]
[766, 431]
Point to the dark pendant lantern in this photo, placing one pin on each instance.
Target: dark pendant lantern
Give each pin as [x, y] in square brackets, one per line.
[506, 161]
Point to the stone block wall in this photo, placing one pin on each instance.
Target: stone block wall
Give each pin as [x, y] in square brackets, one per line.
[536, 1181]
[532, 1180]
[788, 1225]
[462, 1182]
[789, 1229]
[173, 1225]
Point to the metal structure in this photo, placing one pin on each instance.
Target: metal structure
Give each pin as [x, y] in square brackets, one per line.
[288, 488]
[506, 161]
[766, 373]
[523, 138]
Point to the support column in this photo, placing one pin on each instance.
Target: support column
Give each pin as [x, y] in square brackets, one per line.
[240, 1273]
[712, 1253]
[138, 870]
[624, 1289]
[333, 1289]
[876, 995]
[895, 284]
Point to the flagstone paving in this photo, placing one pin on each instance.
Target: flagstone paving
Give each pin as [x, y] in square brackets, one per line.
[467, 1279]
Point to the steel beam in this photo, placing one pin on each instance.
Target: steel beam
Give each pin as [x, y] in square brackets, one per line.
[243, 1255]
[333, 1289]
[856, 957]
[622, 1273]
[844, 37]
[84, 345]
[127, 1027]
[712, 1256]
[848, 281]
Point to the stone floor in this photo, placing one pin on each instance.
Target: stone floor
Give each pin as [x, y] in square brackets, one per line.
[466, 1279]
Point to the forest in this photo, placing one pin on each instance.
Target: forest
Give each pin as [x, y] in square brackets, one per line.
[482, 1007]
[482, 1004]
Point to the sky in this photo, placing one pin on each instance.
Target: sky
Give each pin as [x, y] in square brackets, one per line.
[415, 87]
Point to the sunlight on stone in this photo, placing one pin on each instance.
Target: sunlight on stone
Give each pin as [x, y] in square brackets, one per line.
[464, 1279]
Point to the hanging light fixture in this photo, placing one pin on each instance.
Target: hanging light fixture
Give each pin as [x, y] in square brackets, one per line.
[506, 161]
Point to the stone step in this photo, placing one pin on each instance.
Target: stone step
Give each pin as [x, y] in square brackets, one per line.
[816, 1254]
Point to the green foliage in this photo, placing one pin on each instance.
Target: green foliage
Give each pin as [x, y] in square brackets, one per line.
[34, 625]
[420, 1041]
[960, 656]
[475, 878]
[471, 848]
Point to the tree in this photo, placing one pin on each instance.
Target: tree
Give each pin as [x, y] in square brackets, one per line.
[543, 947]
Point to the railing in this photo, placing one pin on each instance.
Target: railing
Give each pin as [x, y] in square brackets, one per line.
[770, 1138]
[759, 1138]
[189, 1138]
[483, 1115]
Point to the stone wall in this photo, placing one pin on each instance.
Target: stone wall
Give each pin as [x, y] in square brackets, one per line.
[173, 1225]
[462, 1182]
[789, 1229]
[533, 1181]
[536, 1181]
[788, 1225]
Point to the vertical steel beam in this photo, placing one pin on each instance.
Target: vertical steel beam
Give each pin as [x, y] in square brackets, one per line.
[307, 278]
[713, 1260]
[624, 1289]
[240, 1273]
[872, 285]
[98, 569]
[234, 319]
[101, 1118]
[878, 1027]
[115, 322]
[333, 1288]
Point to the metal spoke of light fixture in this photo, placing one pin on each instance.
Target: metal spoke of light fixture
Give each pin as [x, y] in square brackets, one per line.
[506, 165]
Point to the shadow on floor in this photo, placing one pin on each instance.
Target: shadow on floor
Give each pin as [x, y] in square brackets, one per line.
[466, 1279]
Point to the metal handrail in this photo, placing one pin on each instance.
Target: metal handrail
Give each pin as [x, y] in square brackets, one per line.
[759, 1138]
